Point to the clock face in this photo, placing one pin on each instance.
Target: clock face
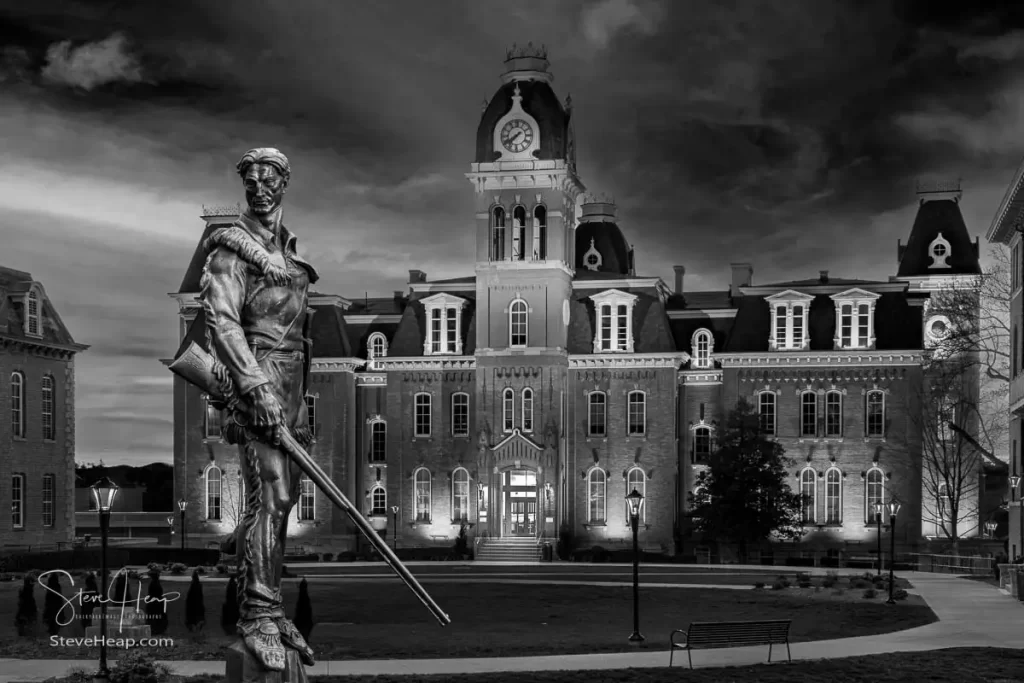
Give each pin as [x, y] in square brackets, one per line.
[516, 135]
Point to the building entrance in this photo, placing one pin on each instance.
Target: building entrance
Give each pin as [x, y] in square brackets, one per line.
[519, 498]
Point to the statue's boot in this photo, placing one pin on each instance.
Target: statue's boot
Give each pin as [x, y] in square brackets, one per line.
[263, 640]
[291, 637]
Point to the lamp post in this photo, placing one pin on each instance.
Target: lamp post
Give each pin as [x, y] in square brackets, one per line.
[894, 509]
[635, 501]
[394, 524]
[878, 522]
[103, 492]
[170, 529]
[1014, 483]
[182, 504]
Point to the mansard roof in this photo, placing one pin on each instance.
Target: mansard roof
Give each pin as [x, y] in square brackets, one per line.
[699, 301]
[683, 329]
[934, 217]
[651, 333]
[14, 285]
[412, 329]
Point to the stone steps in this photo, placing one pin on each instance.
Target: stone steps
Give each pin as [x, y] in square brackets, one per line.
[509, 550]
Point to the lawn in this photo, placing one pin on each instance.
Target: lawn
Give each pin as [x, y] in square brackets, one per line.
[382, 619]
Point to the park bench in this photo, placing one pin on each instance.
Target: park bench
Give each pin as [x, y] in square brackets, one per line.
[703, 635]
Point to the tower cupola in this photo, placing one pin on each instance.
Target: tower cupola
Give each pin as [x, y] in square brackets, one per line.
[600, 244]
[527, 64]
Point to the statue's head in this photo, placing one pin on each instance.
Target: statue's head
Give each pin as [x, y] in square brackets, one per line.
[265, 173]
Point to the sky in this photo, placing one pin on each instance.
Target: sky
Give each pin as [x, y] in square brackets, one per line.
[790, 135]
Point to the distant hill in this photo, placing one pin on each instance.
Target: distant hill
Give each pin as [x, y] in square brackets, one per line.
[157, 478]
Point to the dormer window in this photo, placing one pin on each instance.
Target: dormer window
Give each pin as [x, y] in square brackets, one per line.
[939, 250]
[518, 233]
[32, 326]
[444, 324]
[498, 234]
[702, 345]
[592, 257]
[789, 321]
[855, 319]
[540, 233]
[614, 317]
[376, 348]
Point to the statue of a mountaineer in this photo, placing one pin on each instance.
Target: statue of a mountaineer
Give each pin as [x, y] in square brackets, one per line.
[255, 297]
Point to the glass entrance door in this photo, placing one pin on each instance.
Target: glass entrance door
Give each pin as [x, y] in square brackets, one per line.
[520, 496]
[523, 519]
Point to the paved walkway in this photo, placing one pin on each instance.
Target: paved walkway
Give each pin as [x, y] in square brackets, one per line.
[971, 614]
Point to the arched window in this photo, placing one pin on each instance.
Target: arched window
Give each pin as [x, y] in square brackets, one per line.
[376, 348]
[518, 233]
[18, 501]
[508, 410]
[518, 323]
[460, 495]
[701, 445]
[809, 495]
[49, 496]
[702, 345]
[636, 418]
[766, 412]
[636, 480]
[47, 414]
[597, 413]
[597, 485]
[378, 501]
[540, 233]
[498, 234]
[378, 441]
[874, 493]
[18, 405]
[32, 315]
[460, 414]
[213, 493]
[527, 410]
[833, 414]
[833, 496]
[875, 421]
[422, 491]
[307, 499]
[421, 415]
[808, 414]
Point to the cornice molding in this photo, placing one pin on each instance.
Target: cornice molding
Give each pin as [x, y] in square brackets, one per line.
[483, 268]
[819, 358]
[522, 353]
[41, 347]
[655, 283]
[814, 289]
[699, 377]
[428, 363]
[428, 287]
[671, 359]
[371, 379]
[336, 364]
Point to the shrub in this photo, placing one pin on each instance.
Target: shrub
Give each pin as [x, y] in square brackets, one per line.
[778, 585]
[870, 593]
[229, 612]
[860, 583]
[52, 604]
[831, 579]
[222, 568]
[156, 608]
[135, 666]
[599, 554]
[803, 579]
[27, 613]
[328, 557]
[899, 594]
[122, 590]
[565, 542]
[89, 594]
[838, 591]
[195, 609]
[155, 567]
[178, 568]
[462, 540]
[759, 585]
[304, 612]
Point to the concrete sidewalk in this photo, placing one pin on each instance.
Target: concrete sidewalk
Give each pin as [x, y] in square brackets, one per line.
[971, 614]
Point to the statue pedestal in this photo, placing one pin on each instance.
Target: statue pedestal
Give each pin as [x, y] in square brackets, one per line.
[243, 667]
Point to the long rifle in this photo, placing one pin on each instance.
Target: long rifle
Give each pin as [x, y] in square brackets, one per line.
[196, 366]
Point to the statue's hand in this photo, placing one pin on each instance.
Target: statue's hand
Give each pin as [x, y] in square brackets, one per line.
[267, 413]
[278, 275]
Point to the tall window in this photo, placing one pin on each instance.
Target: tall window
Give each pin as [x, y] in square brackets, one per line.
[508, 410]
[597, 413]
[809, 495]
[766, 412]
[213, 492]
[422, 414]
[833, 497]
[636, 420]
[32, 315]
[540, 233]
[444, 329]
[49, 424]
[527, 410]
[789, 324]
[379, 501]
[945, 414]
[49, 495]
[18, 405]
[701, 349]
[701, 445]
[213, 420]
[636, 480]
[597, 484]
[460, 414]
[854, 325]
[613, 310]
[498, 234]
[874, 492]
[1013, 352]
[422, 495]
[460, 495]
[518, 233]
[943, 504]
[18, 501]
[307, 500]
[833, 414]
[311, 413]
[517, 323]
[378, 441]
[808, 414]
[376, 348]
[876, 414]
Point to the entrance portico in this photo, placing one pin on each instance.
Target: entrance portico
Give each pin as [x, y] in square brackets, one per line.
[516, 498]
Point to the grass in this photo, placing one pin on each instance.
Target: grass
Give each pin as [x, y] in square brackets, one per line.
[956, 665]
[382, 619]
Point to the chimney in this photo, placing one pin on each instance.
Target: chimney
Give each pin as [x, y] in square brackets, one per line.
[399, 295]
[680, 271]
[417, 276]
[741, 276]
[823, 277]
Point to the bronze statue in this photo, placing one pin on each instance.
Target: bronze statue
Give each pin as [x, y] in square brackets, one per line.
[254, 295]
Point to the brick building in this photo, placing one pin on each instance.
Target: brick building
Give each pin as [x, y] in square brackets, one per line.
[37, 434]
[546, 385]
